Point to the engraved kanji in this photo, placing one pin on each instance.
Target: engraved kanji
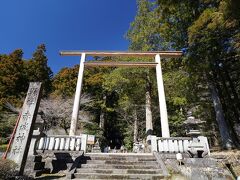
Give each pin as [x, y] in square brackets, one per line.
[32, 96]
[26, 115]
[20, 137]
[17, 149]
[23, 126]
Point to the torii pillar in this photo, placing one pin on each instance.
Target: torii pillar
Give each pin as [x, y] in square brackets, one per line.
[74, 120]
[161, 97]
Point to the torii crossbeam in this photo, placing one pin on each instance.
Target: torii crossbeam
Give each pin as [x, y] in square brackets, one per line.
[157, 64]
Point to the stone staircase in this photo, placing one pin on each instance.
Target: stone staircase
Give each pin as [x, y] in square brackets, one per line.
[118, 166]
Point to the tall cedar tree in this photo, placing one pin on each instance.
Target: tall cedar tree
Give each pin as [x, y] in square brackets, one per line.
[38, 70]
[12, 82]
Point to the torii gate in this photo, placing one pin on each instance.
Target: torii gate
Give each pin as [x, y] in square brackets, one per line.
[161, 94]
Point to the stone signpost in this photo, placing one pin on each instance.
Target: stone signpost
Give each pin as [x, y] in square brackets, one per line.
[22, 138]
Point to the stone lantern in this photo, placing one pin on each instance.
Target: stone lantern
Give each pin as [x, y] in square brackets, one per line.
[193, 125]
[198, 147]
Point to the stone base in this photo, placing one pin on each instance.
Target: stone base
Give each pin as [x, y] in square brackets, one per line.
[96, 150]
[52, 162]
[197, 168]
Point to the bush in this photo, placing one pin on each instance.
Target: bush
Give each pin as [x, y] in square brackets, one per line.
[7, 169]
[4, 140]
[3, 147]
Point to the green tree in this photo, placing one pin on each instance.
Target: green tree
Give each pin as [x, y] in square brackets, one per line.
[12, 82]
[210, 42]
[37, 69]
[150, 31]
[128, 83]
[64, 82]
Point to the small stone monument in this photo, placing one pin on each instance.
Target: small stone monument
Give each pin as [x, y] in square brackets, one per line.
[199, 145]
[23, 135]
[138, 147]
[96, 148]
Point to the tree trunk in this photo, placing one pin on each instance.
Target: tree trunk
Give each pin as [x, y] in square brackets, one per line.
[228, 94]
[149, 127]
[135, 128]
[227, 141]
[65, 126]
[215, 135]
[102, 120]
[66, 130]
[228, 104]
[235, 95]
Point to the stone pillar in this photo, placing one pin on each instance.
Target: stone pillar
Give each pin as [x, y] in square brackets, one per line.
[162, 100]
[154, 144]
[23, 135]
[84, 142]
[76, 104]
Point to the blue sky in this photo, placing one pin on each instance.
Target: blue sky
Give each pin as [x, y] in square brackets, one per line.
[64, 25]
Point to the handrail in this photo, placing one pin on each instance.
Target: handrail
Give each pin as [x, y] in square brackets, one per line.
[63, 136]
[12, 136]
[174, 138]
[62, 142]
[161, 164]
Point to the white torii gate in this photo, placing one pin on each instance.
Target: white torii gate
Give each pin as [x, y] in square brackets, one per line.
[161, 94]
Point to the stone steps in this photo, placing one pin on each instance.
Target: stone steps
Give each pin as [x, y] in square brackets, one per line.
[120, 171]
[119, 162]
[147, 155]
[118, 166]
[119, 158]
[110, 166]
[116, 176]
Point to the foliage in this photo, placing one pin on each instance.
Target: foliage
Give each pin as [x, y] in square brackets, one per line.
[64, 82]
[7, 123]
[38, 70]
[3, 147]
[15, 75]
[212, 40]
[209, 30]
[151, 27]
[12, 81]
[128, 140]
